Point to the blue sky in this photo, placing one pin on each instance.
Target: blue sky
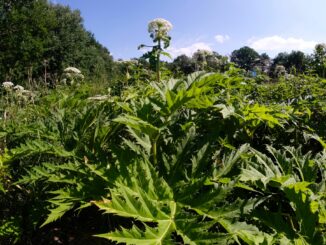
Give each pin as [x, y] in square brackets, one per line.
[268, 26]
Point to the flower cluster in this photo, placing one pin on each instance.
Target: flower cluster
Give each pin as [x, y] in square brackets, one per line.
[72, 70]
[19, 88]
[18, 92]
[7, 85]
[71, 75]
[159, 27]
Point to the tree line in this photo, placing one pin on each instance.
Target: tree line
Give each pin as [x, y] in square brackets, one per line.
[39, 39]
[295, 62]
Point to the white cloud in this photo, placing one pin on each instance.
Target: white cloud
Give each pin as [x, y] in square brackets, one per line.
[278, 43]
[189, 49]
[222, 38]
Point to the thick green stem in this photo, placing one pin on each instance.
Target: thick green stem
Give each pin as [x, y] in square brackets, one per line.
[158, 76]
[154, 149]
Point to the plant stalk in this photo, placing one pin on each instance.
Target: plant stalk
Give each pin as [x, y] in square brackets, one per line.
[158, 75]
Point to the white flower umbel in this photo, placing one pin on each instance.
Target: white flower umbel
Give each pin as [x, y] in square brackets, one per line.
[72, 75]
[159, 27]
[7, 85]
[72, 70]
[19, 88]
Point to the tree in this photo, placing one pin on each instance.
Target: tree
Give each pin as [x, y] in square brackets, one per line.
[319, 62]
[39, 39]
[183, 64]
[295, 62]
[209, 61]
[245, 57]
[217, 62]
[264, 63]
[200, 59]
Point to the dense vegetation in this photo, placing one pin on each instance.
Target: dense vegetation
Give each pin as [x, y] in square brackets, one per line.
[39, 40]
[196, 151]
[214, 158]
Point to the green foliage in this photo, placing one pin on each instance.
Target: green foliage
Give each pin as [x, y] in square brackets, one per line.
[146, 197]
[201, 60]
[210, 159]
[295, 62]
[245, 57]
[319, 61]
[292, 179]
[40, 39]
[9, 230]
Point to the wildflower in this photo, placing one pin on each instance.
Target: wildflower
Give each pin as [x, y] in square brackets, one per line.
[27, 95]
[280, 71]
[7, 85]
[75, 76]
[19, 88]
[72, 75]
[159, 27]
[72, 70]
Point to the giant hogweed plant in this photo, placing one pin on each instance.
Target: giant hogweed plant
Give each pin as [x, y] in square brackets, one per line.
[294, 186]
[181, 179]
[169, 158]
[291, 187]
[50, 154]
[207, 211]
[181, 205]
[158, 30]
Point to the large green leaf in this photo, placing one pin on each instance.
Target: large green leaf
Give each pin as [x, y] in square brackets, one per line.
[139, 125]
[146, 197]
